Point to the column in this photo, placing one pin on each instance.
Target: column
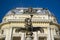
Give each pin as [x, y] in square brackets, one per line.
[35, 35]
[22, 36]
[49, 34]
[9, 32]
[52, 34]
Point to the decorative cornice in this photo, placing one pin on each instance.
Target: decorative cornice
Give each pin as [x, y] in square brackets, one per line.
[51, 23]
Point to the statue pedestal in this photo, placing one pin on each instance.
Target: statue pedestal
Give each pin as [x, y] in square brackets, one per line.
[29, 37]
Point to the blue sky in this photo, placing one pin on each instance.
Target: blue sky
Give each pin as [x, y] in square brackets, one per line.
[52, 5]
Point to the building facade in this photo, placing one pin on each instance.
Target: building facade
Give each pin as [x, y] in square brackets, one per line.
[41, 24]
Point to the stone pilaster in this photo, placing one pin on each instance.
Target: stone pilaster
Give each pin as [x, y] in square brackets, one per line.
[52, 34]
[35, 36]
[9, 33]
[23, 36]
[49, 34]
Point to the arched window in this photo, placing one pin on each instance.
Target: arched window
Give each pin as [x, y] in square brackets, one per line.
[41, 30]
[38, 29]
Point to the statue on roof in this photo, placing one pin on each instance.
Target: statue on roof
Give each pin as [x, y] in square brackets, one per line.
[30, 10]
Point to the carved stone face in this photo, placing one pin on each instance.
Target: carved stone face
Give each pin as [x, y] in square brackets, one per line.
[28, 21]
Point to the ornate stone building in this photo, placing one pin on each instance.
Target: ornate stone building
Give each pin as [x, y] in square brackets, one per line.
[29, 24]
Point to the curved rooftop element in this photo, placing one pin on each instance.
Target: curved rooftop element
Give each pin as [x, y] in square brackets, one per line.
[19, 14]
[29, 11]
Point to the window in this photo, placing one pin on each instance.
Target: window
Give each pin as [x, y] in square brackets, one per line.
[16, 38]
[4, 19]
[2, 38]
[18, 30]
[57, 31]
[2, 31]
[42, 38]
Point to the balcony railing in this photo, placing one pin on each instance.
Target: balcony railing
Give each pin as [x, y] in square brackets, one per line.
[42, 35]
[16, 34]
[33, 20]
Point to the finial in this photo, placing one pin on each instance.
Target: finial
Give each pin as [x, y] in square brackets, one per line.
[31, 16]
